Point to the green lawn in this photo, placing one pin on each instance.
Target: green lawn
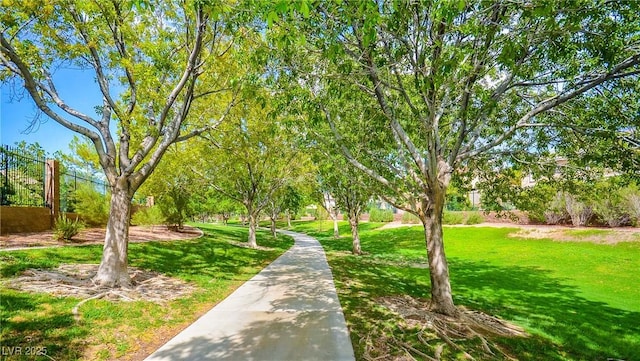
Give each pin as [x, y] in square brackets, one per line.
[578, 300]
[110, 330]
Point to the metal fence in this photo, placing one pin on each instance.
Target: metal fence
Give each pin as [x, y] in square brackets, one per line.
[22, 178]
[71, 182]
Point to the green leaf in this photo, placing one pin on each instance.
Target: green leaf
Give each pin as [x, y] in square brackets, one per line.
[271, 17]
[304, 9]
[461, 5]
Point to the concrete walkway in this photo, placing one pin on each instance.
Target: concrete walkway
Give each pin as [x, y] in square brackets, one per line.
[289, 311]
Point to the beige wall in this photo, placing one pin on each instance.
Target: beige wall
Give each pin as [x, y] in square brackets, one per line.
[24, 219]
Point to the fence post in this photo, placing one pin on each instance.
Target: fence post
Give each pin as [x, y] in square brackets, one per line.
[52, 189]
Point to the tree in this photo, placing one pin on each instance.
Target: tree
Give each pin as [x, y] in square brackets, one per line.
[148, 62]
[273, 208]
[173, 187]
[454, 82]
[292, 199]
[328, 203]
[83, 158]
[349, 188]
[82, 183]
[225, 208]
[251, 157]
[287, 200]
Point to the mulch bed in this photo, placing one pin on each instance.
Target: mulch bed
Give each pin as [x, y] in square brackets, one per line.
[96, 236]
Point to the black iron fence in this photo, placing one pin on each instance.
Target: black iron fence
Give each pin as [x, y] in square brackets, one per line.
[22, 178]
[72, 182]
[23, 181]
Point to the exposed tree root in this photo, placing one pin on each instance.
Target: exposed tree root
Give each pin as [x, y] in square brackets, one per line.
[75, 280]
[470, 332]
[74, 311]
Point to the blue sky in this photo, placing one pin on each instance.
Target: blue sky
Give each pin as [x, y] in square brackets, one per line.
[17, 110]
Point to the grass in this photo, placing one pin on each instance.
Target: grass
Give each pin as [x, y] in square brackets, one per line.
[587, 233]
[110, 330]
[578, 300]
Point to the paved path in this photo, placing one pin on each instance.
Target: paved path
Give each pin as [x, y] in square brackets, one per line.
[289, 311]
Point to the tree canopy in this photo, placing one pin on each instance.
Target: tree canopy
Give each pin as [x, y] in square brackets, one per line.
[148, 62]
[455, 83]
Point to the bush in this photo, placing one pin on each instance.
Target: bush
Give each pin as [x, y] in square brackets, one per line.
[579, 211]
[610, 209]
[453, 217]
[175, 206]
[380, 215]
[410, 218]
[456, 200]
[535, 202]
[150, 216]
[91, 205]
[556, 212]
[474, 218]
[631, 196]
[66, 228]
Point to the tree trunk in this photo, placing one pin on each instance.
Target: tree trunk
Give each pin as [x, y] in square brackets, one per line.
[253, 224]
[273, 227]
[112, 271]
[334, 216]
[288, 219]
[353, 222]
[441, 296]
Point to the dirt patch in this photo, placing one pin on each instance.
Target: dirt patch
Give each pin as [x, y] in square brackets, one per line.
[397, 224]
[554, 232]
[75, 280]
[564, 234]
[448, 332]
[96, 236]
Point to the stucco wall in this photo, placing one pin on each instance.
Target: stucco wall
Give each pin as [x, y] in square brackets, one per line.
[24, 219]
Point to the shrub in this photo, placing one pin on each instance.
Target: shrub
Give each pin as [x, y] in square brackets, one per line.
[380, 215]
[66, 228]
[175, 206]
[631, 196]
[580, 211]
[410, 218]
[456, 199]
[474, 218]
[91, 205]
[453, 217]
[150, 216]
[556, 212]
[536, 200]
[611, 210]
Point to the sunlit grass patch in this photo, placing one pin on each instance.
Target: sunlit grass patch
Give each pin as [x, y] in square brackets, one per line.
[108, 330]
[577, 300]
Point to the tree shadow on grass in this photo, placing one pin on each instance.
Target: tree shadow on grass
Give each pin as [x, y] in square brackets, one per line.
[323, 230]
[564, 324]
[23, 326]
[47, 321]
[239, 233]
[203, 258]
[554, 311]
